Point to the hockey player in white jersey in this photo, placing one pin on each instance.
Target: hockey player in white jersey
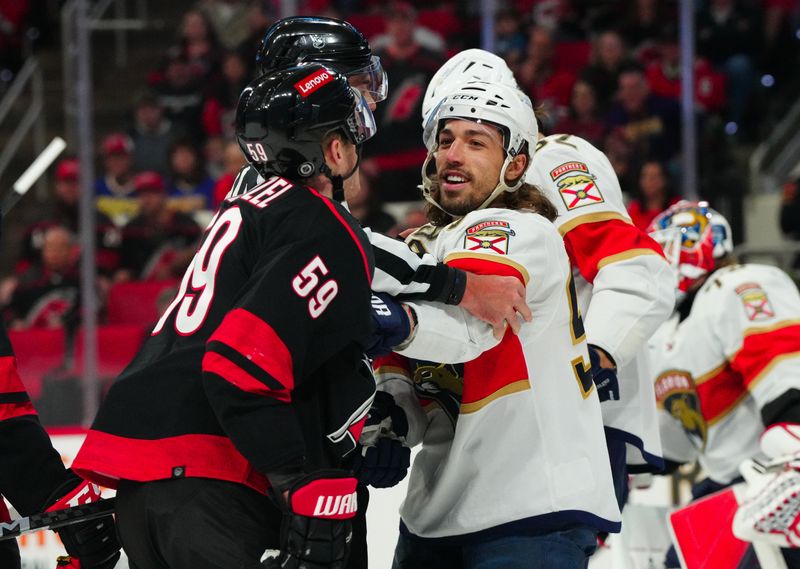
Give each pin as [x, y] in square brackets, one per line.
[513, 469]
[728, 369]
[623, 281]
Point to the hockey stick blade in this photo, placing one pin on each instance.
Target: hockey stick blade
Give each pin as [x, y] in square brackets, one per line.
[56, 519]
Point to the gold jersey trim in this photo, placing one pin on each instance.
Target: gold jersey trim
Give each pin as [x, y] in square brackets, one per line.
[515, 387]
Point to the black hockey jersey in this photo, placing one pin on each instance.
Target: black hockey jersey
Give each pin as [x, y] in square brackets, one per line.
[256, 363]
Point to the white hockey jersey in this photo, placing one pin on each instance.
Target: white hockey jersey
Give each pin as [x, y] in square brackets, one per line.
[737, 350]
[625, 287]
[511, 431]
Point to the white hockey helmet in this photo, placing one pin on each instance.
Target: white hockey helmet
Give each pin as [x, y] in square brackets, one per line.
[497, 104]
[463, 67]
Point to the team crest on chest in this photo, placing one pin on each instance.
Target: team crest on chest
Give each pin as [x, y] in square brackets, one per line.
[489, 237]
[676, 393]
[755, 301]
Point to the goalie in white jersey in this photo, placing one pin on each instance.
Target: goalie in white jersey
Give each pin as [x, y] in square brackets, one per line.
[513, 465]
[728, 369]
[622, 280]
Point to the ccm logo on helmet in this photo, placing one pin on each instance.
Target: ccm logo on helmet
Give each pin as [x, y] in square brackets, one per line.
[313, 82]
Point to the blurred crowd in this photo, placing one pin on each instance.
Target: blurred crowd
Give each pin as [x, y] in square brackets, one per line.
[607, 70]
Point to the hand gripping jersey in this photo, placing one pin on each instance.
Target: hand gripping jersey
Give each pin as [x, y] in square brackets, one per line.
[398, 270]
[625, 287]
[256, 363]
[511, 432]
[738, 350]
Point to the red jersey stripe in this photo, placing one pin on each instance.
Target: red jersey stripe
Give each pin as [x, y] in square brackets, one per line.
[233, 374]
[105, 459]
[258, 342]
[11, 410]
[720, 392]
[762, 349]
[10, 381]
[487, 264]
[593, 245]
[349, 229]
[493, 371]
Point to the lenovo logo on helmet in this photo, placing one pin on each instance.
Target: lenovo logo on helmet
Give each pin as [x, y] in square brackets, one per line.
[313, 82]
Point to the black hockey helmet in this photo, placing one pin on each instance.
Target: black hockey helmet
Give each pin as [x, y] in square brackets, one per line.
[331, 42]
[283, 117]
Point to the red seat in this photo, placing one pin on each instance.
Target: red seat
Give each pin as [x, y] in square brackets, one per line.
[116, 346]
[441, 20]
[135, 302]
[370, 25]
[37, 351]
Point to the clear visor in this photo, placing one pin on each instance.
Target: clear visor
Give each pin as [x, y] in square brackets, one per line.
[361, 123]
[371, 81]
[670, 241]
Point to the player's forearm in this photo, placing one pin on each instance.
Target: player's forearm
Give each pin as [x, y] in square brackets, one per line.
[447, 334]
[630, 300]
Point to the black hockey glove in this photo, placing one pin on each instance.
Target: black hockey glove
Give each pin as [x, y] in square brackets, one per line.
[94, 543]
[383, 458]
[605, 379]
[390, 325]
[316, 530]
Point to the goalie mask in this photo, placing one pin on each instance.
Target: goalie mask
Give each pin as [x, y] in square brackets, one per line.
[328, 41]
[464, 67]
[694, 237]
[494, 106]
[283, 117]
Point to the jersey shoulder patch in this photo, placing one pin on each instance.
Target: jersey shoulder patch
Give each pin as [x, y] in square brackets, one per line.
[755, 302]
[489, 236]
[577, 186]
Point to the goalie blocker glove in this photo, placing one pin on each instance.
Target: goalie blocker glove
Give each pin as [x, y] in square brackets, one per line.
[384, 457]
[316, 530]
[94, 542]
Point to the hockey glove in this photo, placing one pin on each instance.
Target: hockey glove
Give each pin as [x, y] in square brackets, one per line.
[391, 325]
[94, 543]
[316, 530]
[605, 379]
[383, 458]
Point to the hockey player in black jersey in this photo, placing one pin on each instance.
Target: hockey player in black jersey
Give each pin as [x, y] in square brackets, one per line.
[33, 478]
[253, 382]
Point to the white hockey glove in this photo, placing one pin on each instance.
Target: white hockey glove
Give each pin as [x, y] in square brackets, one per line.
[771, 511]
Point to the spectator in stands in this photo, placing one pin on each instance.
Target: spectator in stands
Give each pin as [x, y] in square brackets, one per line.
[228, 19]
[644, 20]
[366, 207]
[114, 188]
[509, 39]
[583, 117]
[199, 44]
[152, 134]
[181, 94]
[650, 122]
[728, 35]
[221, 98]
[190, 188]
[234, 160]
[64, 211]
[654, 194]
[664, 75]
[393, 157]
[258, 20]
[619, 151]
[158, 243]
[609, 56]
[47, 294]
[397, 28]
[540, 75]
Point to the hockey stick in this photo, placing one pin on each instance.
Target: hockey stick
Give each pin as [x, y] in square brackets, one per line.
[33, 173]
[56, 519]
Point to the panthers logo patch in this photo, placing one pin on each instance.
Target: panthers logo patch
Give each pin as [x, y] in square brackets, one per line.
[579, 190]
[755, 301]
[442, 384]
[676, 393]
[489, 237]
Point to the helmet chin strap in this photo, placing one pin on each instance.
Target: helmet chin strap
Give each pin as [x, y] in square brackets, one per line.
[337, 180]
[427, 185]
